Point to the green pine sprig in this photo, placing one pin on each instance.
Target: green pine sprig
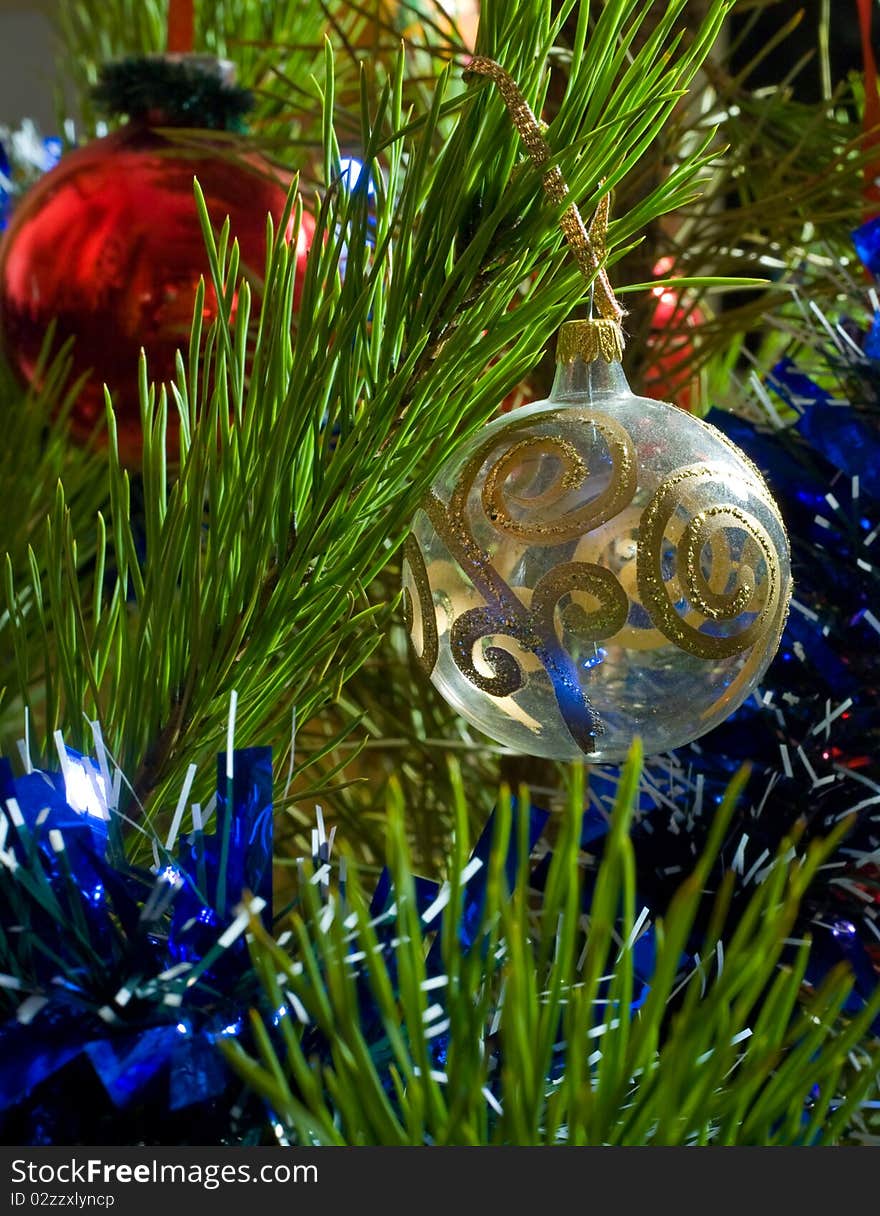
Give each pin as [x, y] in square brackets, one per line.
[308, 440]
[541, 1042]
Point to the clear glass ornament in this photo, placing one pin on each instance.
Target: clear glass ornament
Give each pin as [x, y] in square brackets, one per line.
[594, 567]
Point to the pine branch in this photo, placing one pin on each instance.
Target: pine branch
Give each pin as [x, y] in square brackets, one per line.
[307, 442]
[534, 1029]
[36, 454]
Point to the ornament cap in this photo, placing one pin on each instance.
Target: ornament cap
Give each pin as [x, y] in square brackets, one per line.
[174, 90]
[221, 70]
[598, 338]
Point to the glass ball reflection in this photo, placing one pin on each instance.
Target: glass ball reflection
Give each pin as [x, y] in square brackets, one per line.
[594, 567]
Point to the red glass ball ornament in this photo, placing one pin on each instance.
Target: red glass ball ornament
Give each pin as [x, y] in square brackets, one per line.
[109, 246]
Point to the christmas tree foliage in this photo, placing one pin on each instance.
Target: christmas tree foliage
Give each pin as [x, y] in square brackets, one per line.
[520, 1026]
[305, 448]
[638, 966]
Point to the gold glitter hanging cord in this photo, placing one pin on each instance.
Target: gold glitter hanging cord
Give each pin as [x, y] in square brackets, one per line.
[587, 247]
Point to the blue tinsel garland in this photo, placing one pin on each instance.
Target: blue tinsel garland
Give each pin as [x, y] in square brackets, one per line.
[135, 973]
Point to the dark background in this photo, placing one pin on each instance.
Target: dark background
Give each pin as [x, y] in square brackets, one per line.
[845, 44]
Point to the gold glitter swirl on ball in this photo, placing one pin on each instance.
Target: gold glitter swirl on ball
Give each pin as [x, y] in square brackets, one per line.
[534, 628]
[594, 625]
[469, 629]
[731, 587]
[533, 520]
[730, 590]
[507, 615]
[413, 557]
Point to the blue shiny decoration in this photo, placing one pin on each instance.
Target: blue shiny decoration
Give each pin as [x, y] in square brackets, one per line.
[867, 243]
[198, 1073]
[11, 184]
[30, 1055]
[825, 662]
[871, 345]
[5, 188]
[244, 812]
[53, 148]
[43, 795]
[356, 176]
[126, 1065]
[847, 441]
[795, 387]
[475, 897]
[100, 927]
[425, 891]
[216, 869]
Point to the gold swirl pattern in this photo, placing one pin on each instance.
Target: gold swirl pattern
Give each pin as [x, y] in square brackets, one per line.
[470, 628]
[534, 629]
[689, 568]
[710, 527]
[572, 475]
[614, 547]
[600, 623]
[414, 558]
